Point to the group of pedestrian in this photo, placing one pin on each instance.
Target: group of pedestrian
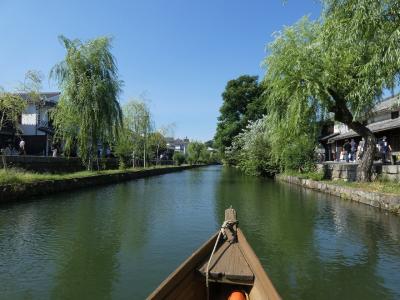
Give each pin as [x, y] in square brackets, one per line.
[350, 149]
[352, 152]
[11, 150]
[384, 150]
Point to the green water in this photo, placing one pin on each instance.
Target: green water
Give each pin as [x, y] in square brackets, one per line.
[121, 241]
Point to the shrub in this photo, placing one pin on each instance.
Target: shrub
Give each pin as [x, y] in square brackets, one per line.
[178, 158]
[251, 151]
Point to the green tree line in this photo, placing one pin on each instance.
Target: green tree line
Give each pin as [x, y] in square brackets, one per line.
[336, 67]
[88, 116]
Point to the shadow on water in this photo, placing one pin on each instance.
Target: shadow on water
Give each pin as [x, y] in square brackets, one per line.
[121, 241]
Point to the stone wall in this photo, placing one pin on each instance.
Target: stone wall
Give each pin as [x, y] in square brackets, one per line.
[22, 192]
[391, 172]
[378, 200]
[348, 171]
[54, 164]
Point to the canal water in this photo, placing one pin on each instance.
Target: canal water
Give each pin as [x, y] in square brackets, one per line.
[121, 241]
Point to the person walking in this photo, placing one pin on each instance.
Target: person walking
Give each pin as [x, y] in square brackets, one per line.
[384, 149]
[54, 149]
[360, 149]
[347, 149]
[353, 150]
[22, 150]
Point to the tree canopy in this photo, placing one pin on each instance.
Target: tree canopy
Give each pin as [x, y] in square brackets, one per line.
[137, 125]
[241, 103]
[11, 108]
[88, 111]
[339, 65]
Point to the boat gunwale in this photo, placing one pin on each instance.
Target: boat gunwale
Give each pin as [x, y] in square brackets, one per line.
[262, 283]
[174, 279]
[261, 279]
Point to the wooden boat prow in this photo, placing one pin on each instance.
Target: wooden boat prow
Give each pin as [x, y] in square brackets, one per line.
[233, 266]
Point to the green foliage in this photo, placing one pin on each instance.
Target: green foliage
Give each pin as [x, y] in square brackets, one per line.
[335, 67]
[32, 85]
[251, 150]
[123, 146]
[241, 103]
[205, 156]
[135, 132]
[313, 175]
[18, 176]
[340, 65]
[194, 152]
[179, 158]
[266, 147]
[156, 145]
[365, 34]
[122, 164]
[292, 145]
[88, 112]
[11, 108]
[379, 185]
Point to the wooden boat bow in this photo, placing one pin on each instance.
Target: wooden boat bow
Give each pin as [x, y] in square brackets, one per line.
[226, 262]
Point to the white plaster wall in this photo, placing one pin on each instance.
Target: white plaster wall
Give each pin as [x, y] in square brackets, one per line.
[29, 129]
[380, 117]
[43, 116]
[340, 128]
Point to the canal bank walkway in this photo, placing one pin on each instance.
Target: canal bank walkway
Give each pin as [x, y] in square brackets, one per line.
[379, 200]
[21, 191]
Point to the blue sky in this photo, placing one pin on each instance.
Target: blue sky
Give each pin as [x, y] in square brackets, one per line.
[179, 54]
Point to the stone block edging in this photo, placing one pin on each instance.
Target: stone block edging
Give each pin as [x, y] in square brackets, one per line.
[379, 200]
[24, 191]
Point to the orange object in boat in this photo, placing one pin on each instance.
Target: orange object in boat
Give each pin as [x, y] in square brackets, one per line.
[237, 295]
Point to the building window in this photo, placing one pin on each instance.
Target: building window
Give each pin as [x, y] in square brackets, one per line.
[395, 114]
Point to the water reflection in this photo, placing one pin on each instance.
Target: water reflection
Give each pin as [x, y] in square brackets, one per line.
[121, 241]
[91, 244]
[313, 245]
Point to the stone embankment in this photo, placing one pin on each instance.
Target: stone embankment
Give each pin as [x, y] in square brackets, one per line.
[348, 171]
[379, 200]
[21, 192]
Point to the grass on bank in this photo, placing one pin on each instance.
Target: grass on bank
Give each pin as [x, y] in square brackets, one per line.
[17, 176]
[379, 185]
[306, 175]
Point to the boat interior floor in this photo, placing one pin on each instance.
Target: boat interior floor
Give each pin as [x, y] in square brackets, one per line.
[222, 291]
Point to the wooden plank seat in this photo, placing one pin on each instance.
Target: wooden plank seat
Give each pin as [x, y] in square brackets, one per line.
[229, 265]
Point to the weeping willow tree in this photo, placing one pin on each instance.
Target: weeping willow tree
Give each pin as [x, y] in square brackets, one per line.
[88, 113]
[340, 65]
[132, 140]
[11, 108]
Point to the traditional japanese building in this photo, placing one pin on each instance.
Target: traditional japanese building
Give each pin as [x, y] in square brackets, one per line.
[384, 121]
[35, 126]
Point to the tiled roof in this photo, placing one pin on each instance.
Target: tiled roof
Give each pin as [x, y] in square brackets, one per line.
[50, 98]
[388, 104]
[44, 94]
[374, 127]
[327, 137]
